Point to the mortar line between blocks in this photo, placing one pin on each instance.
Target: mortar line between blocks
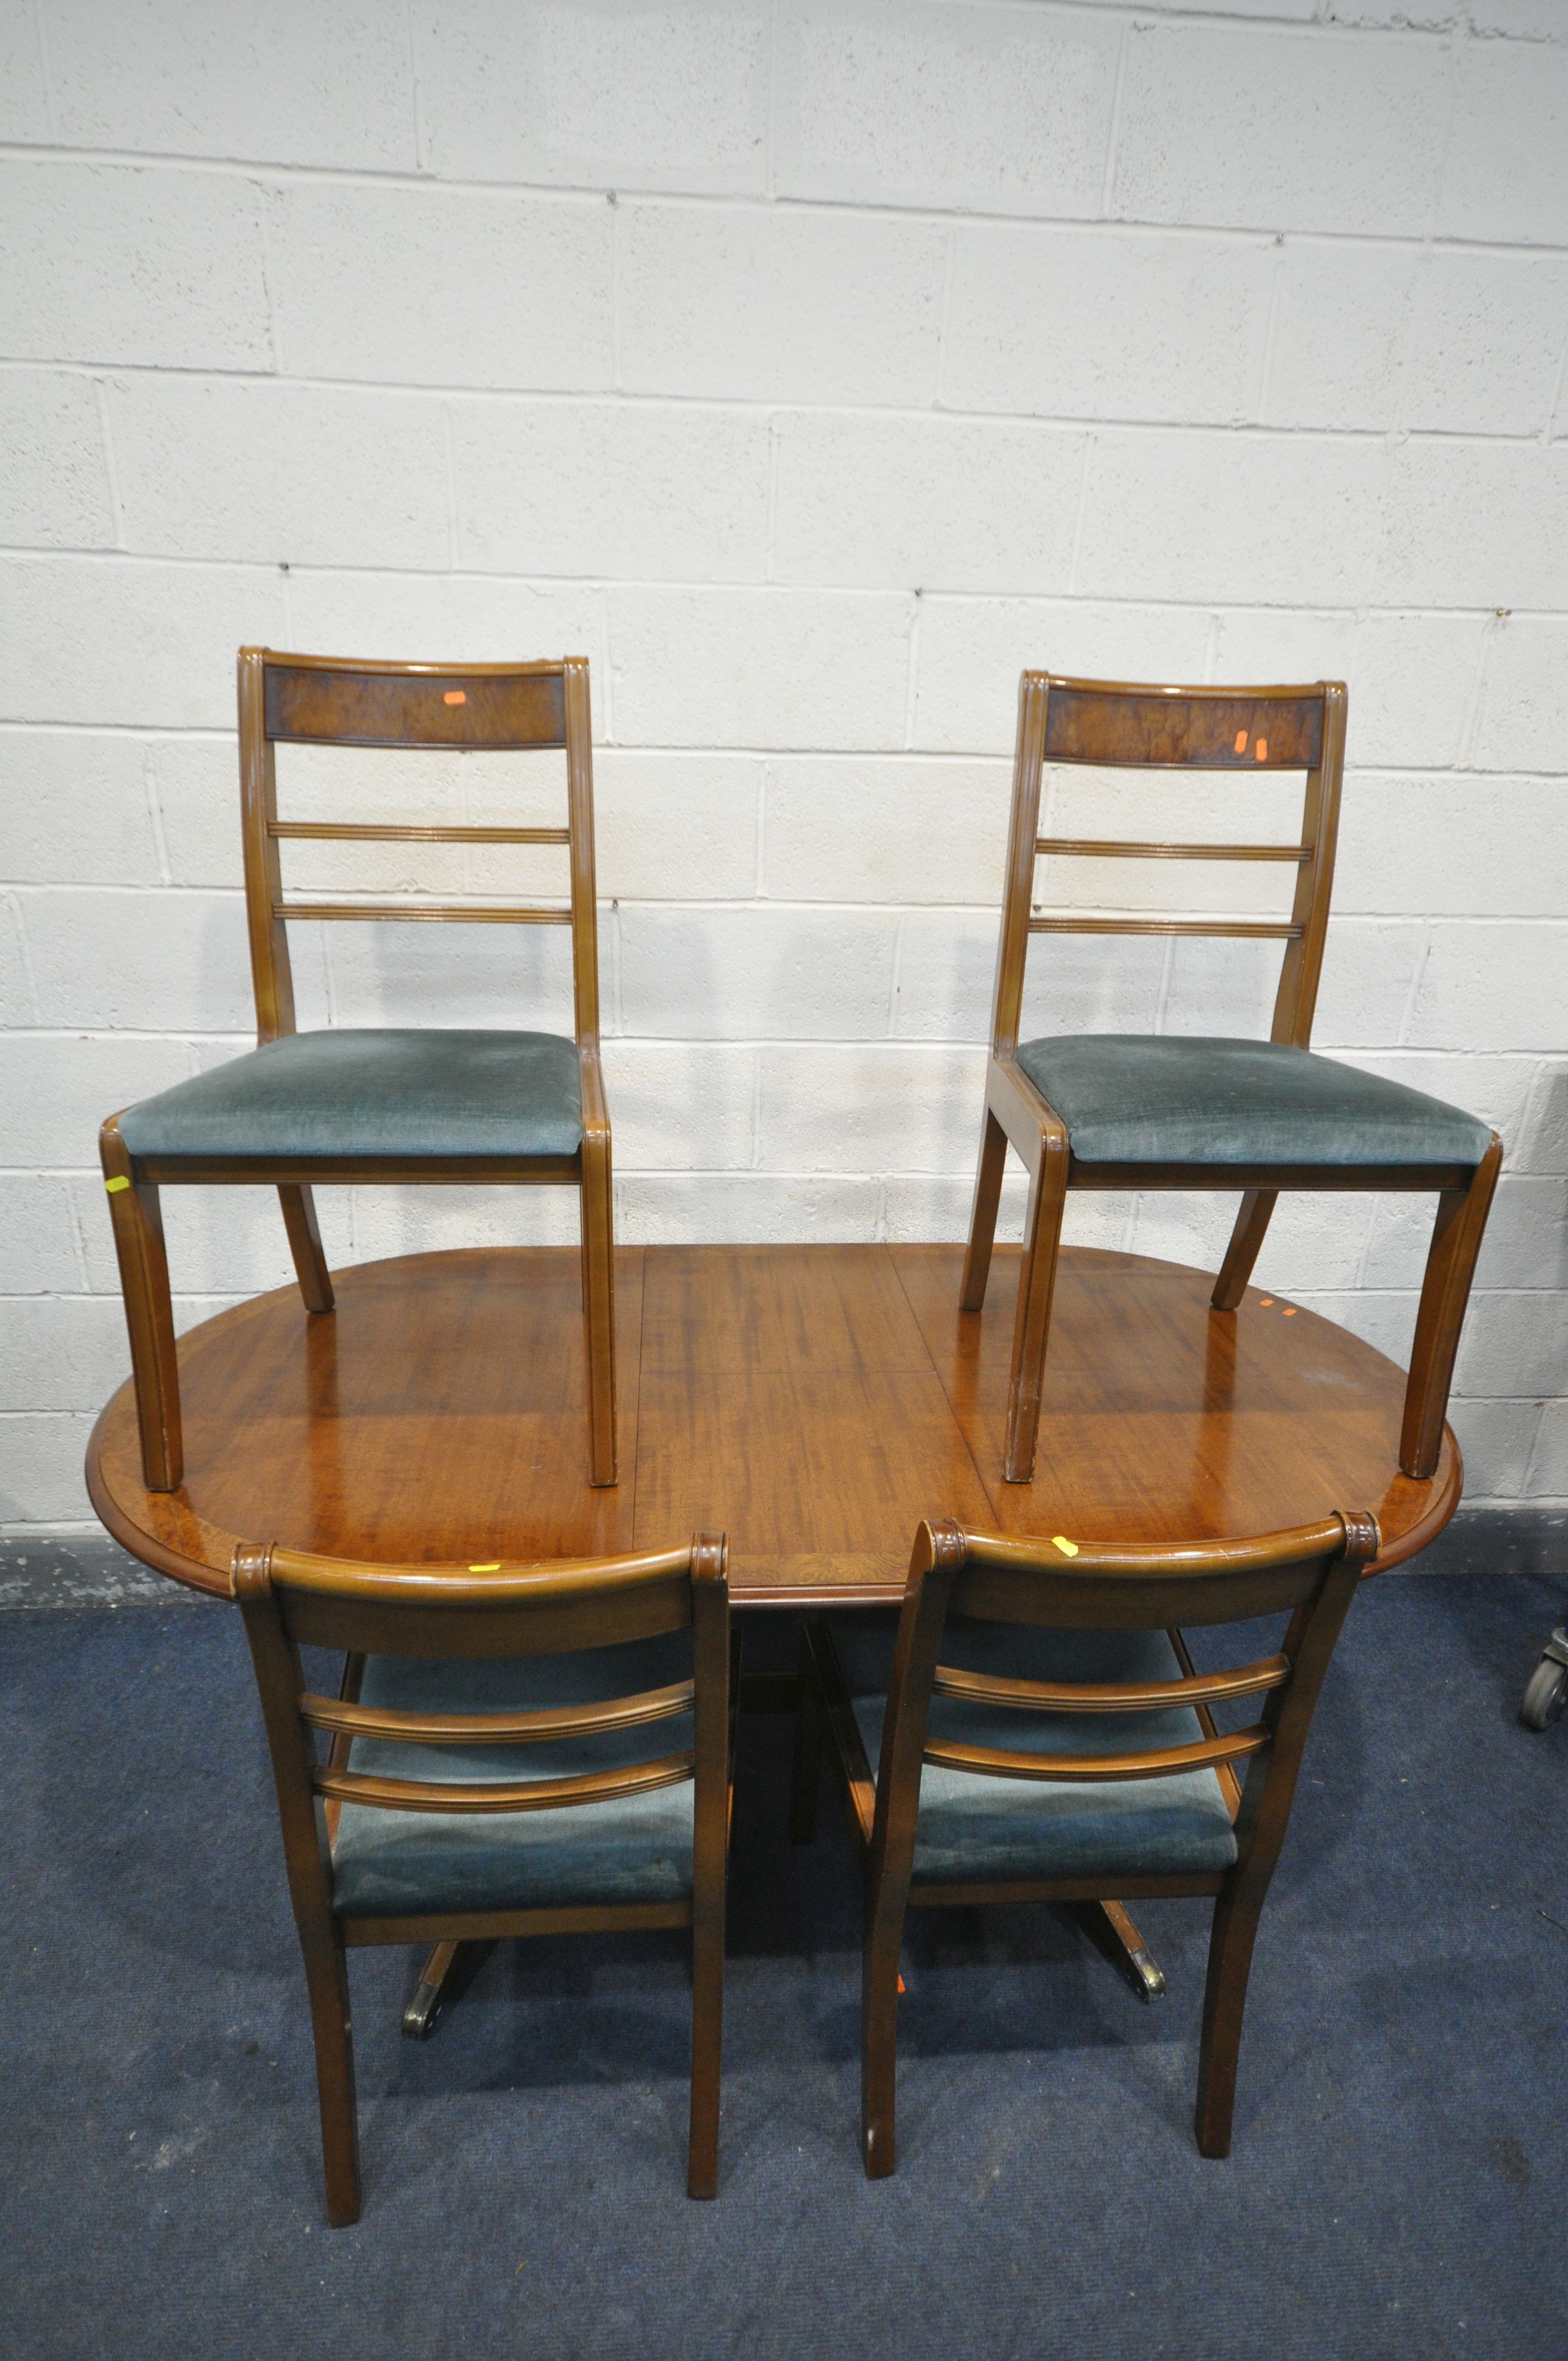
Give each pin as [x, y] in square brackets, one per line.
[40, 41]
[1113, 128]
[418, 111]
[581, 194]
[111, 474]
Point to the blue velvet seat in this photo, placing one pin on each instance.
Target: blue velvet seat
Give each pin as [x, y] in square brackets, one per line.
[627, 1849]
[1143, 1098]
[364, 1092]
[972, 1828]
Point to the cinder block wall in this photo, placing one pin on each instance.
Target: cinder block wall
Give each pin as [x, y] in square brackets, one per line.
[811, 366]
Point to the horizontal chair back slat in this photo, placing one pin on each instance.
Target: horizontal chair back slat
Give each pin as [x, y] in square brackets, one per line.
[374, 832]
[497, 1795]
[353, 1720]
[456, 1612]
[1120, 1697]
[1276, 730]
[1088, 1770]
[462, 706]
[440, 913]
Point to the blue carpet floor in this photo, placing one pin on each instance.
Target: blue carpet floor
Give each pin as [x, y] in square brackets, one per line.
[1401, 2154]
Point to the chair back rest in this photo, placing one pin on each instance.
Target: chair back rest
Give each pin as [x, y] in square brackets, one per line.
[288, 1598]
[1309, 1573]
[1129, 725]
[345, 701]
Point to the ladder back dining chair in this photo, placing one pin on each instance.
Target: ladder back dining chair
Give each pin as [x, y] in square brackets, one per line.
[1170, 1111]
[992, 1760]
[365, 1104]
[414, 1826]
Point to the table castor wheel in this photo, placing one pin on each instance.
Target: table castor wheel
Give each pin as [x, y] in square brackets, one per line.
[1546, 1691]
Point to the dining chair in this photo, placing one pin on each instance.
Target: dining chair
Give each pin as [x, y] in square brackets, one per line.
[1173, 1110]
[364, 1103]
[414, 1828]
[989, 1763]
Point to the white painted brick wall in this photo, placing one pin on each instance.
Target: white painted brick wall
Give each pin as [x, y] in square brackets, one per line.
[811, 366]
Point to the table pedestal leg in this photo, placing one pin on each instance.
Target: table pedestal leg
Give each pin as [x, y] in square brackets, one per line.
[1116, 1936]
[450, 1968]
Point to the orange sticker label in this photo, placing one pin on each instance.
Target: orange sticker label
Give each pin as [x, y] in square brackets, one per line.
[1241, 741]
[1260, 751]
[1288, 1311]
[456, 696]
[1266, 1301]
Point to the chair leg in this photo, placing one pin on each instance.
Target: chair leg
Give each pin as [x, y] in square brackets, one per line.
[1031, 1328]
[137, 1221]
[879, 2043]
[598, 1309]
[1446, 1293]
[708, 2035]
[1247, 1243]
[983, 1220]
[1225, 2002]
[326, 1973]
[806, 1784]
[305, 1246]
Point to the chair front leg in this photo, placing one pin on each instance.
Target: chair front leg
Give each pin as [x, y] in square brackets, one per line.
[305, 1246]
[1247, 1243]
[599, 1305]
[983, 1220]
[1446, 1293]
[1036, 1284]
[137, 1220]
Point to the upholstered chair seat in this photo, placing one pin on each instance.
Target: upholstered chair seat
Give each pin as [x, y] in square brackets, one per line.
[1146, 1098]
[635, 1848]
[360, 1091]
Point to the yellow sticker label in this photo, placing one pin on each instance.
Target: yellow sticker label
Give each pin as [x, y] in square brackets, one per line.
[494, 1568]
[119, 1181]
[1067, 1549]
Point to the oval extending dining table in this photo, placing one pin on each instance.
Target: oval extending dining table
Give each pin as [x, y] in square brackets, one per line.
[812, 1402]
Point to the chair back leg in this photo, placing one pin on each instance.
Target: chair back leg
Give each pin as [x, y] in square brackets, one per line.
[879, 2038]
[305, 1246]
[1446, 1293]
[707, 2040]
[983, 1220]
[1031, 1327]
[1246, 1245]
[326, 1974]
[1235, 1931]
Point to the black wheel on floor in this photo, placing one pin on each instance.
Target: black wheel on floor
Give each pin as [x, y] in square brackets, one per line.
[1546, 1693]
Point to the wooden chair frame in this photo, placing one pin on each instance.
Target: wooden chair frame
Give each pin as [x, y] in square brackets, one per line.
[1311, 1573]
[347, 701]
[289, 1598]
[1141, 726]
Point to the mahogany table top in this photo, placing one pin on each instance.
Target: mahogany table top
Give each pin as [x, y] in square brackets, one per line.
[813, 1401]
